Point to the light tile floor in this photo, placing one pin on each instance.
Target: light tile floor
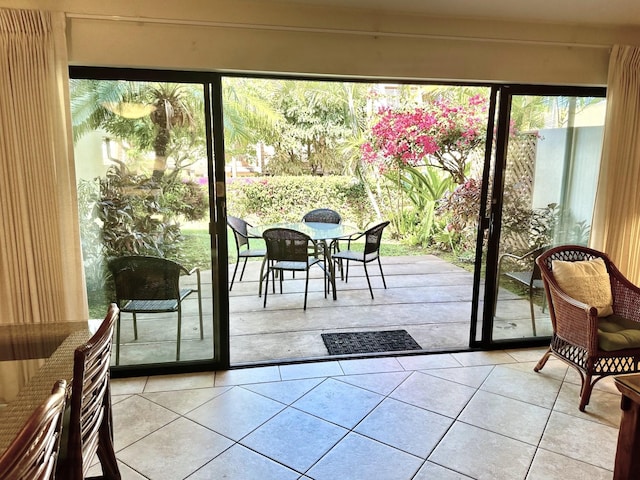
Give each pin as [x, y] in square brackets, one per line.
[472, 415]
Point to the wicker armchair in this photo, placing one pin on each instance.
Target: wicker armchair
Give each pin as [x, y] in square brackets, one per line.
[579, 334]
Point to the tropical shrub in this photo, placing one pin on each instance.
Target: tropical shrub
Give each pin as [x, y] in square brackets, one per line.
[458, 210]
[287, 199]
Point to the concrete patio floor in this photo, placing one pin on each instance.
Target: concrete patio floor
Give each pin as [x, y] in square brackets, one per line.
[425, 295]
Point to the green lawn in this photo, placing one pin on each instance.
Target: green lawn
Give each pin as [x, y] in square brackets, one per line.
[196, 249]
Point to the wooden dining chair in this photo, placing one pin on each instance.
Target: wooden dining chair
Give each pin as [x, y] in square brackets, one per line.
[33, 453]
[90, 429]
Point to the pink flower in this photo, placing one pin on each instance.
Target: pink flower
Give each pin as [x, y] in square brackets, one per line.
[410, 137]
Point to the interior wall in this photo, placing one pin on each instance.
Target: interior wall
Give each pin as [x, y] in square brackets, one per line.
[243, 49]
[261, 36]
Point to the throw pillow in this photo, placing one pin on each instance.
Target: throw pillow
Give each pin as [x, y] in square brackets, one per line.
[587, 281]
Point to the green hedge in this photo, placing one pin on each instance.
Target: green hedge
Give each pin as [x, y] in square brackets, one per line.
[288, 198]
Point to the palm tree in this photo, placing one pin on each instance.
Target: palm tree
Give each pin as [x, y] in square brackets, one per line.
[144, 112]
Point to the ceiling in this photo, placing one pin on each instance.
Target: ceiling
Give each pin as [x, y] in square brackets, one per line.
[591, 12]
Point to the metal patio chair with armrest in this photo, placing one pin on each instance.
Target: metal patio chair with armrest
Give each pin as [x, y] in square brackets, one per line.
[596, 340]
[240, 228]
[289, 250]
[529, 275]
[371, 252]
[33, 454]
[89, 431]
[147, 285]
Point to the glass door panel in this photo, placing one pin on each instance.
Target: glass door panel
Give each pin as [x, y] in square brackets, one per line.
[142, 168]
[550, 178]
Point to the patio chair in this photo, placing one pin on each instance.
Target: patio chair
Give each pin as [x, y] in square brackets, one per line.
[322, 215]
[151, 285]
[90, 427]
[289, 250]
[527, 274]
[371, 252]
[325, 215]
[32, 455]
[243, 249]
[595, 313]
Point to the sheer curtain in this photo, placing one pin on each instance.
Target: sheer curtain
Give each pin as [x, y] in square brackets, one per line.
[41, 275]
[616, 222]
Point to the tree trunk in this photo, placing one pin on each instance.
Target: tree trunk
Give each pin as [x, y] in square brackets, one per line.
[160, 148]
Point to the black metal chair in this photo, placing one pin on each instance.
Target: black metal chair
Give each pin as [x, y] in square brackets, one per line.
[243, 248]
[325, 215]
[151, 285]
[524, 270]
[371, 252]
[322, 215]
[289, 250]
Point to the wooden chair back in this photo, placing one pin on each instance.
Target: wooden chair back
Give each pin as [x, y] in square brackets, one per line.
[33, 453]
[90, 429]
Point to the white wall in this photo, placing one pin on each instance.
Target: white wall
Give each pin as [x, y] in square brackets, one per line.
[242, 35]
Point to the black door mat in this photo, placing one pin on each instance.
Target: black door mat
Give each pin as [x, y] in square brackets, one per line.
[369, 342]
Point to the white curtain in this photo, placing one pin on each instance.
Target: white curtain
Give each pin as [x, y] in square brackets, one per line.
[616, 222]
[41, 275]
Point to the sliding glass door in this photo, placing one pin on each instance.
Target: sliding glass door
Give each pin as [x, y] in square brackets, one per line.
[548, 158]
[145, 177]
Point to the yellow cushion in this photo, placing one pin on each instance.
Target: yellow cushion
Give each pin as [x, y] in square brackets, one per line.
[587, 281]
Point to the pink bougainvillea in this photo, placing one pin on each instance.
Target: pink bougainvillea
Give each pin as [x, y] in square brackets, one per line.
[440, 134]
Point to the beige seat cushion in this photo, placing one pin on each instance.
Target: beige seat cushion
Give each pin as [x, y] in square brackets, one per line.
[618, 333]
[587, 281]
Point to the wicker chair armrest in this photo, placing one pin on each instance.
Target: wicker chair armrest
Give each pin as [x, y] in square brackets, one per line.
[574, 321]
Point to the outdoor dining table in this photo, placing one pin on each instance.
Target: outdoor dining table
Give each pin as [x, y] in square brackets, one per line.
[32, 359]
[325, 234]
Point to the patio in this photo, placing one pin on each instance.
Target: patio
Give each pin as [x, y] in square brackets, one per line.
[427, 296]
